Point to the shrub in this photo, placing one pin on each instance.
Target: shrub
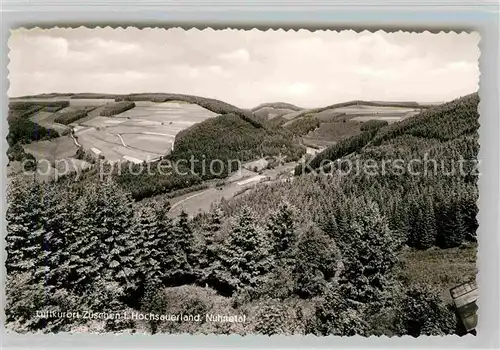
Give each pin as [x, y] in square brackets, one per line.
[422, 312]
[271, 319]
[334, 316]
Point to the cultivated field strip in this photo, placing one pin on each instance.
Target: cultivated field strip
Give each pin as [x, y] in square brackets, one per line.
[142, 133]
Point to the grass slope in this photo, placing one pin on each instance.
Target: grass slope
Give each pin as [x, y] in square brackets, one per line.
[363, 103]
[440, 268]
[211, 104]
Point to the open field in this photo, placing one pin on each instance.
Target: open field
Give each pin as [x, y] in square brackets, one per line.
[271, 113]
[341, 122]
[144, 132]
[58, 148]
[59, 153]
[47, 120]
[364, 109]
[89, 102]
[440, 268]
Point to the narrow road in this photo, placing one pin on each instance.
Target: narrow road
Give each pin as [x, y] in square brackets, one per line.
[202, 201]
[121, 139]
[190, 197]
[74, 139]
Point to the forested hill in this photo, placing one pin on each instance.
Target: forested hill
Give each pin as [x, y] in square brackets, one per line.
[438, 124]
[280, 105]
[211, 104]
[230, 137]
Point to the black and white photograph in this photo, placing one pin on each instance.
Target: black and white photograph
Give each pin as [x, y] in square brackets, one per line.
[237, 181]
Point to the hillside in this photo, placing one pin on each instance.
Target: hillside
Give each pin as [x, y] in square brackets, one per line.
[437, 124]
[211, 104]
[277, 105]
[426, 203]
[230, 137]
[363, 103]
[381, 224]
[22, 130]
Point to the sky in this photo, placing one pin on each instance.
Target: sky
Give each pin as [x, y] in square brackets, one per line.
[246, 67]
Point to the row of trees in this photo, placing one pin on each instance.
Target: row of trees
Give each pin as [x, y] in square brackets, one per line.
[69, 116]
[116, 108]
[85, 248]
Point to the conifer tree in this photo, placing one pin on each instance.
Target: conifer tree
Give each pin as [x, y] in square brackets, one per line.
[422, 312]
[181, 257]
[208, 249]
[317, 262]
[399, 219]
[152, 233]
[429, 217]
[335, 316]
[24, 225]
[84, 247]
[282, 231]
[423, 228]
[57, 229]
[153, 302]
[185, 236]
[243, 261]
[452, 230]
[271, 319]
[369, 255]
[469, 210]
[106, 227]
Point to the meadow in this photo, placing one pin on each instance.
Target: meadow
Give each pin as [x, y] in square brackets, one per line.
[144, 132]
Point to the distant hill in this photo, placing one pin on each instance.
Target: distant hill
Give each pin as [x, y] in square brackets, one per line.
[211, 104]
[444, 122]
[331, 109]
[277, 105]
